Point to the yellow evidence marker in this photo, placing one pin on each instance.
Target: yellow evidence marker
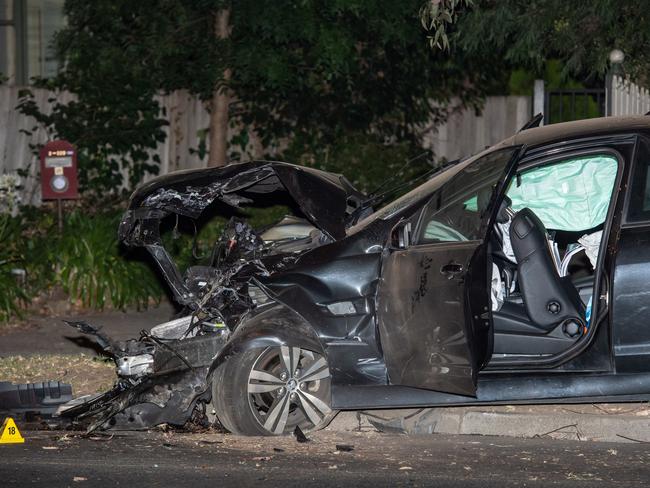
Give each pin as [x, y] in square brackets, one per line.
[9, 433]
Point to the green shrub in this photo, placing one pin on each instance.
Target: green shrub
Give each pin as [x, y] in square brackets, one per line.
[91, 267]
[86, 261]
[365, 160]
[12, 294]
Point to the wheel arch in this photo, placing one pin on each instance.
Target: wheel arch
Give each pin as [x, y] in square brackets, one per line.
[275, 325]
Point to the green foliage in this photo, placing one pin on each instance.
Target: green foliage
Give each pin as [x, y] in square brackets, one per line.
[438, 15]
[321, 70]
[578, 34]
[85, 261]
[40, 243]
[316, 70]
[365, 160]
[12, 294]
[522, 81]
[93, 270]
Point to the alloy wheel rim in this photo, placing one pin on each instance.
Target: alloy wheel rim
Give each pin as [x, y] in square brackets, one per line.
[288, 387]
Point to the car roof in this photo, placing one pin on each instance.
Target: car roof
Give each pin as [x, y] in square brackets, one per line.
[579, 129]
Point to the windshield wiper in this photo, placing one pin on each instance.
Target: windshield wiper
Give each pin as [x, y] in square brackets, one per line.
[377, 198]
[399, 173]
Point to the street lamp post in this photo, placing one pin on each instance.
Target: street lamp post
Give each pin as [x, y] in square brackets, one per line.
[616, 58]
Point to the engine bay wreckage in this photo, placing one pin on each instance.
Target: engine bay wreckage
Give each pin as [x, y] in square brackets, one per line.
[164, 376]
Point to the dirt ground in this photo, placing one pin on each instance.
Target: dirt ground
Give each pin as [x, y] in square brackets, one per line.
[43, 348]
[40, 334]
[86, 374]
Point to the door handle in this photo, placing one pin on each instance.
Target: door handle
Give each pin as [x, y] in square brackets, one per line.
[451, 270]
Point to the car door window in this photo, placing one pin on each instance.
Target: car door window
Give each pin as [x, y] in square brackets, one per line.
[639, 204]
[455, 212]
[570, 195]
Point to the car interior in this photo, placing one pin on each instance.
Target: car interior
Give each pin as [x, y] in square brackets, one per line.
[544, 249]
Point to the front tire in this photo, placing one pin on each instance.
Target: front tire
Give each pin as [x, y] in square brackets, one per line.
[273, 390]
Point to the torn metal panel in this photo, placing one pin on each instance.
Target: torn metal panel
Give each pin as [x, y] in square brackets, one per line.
[325, 199]
[155, 400]
[160, 378]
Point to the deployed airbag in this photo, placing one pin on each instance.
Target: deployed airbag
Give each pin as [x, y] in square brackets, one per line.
[572, 195]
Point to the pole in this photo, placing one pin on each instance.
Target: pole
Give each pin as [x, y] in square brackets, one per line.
[609, 86]
[539, 92]
[59, 204]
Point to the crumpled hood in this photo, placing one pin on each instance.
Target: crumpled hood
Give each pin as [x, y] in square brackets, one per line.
[325, 199]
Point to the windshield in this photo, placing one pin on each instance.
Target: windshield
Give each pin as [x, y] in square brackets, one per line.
[457, 211]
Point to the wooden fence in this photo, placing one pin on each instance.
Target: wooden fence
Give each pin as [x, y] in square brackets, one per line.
[15, 152]
[628, 98]
[467, 132]
[464, 133]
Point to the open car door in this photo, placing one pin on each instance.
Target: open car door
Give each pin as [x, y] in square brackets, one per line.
[434, 296]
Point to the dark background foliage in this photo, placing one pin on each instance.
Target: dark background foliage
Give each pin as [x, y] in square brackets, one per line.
[320, 74]
[580, 35]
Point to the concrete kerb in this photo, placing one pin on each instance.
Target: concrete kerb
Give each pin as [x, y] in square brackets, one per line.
[607, 423]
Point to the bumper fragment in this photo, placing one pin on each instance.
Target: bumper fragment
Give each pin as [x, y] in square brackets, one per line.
[42, 399]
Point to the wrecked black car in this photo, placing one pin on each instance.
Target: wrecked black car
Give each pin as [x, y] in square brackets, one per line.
[518, 275]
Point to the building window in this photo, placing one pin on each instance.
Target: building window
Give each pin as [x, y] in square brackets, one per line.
[27, 29]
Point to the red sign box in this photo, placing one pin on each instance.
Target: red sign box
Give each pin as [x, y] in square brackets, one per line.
[59, 171]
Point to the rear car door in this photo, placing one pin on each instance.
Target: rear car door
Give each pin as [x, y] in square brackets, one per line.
[631, 285]
[433, 300]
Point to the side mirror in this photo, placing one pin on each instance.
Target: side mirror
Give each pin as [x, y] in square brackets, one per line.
[400, 236]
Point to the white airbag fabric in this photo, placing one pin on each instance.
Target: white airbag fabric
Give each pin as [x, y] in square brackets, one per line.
[591, 243]
[572, 195]
[497, 289]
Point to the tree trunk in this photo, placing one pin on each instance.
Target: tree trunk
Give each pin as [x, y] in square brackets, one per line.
[220, 101]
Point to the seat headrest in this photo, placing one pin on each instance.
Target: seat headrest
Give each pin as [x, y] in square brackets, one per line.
[527, 234]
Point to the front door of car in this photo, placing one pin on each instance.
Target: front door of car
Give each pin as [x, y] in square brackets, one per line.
[433, 304]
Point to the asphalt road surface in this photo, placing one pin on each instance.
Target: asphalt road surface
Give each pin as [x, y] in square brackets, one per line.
[373, 459]
[50, 335]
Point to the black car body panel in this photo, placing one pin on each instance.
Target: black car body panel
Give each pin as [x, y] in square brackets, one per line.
[433, 325]
[504, 390]
[325, 199]
[425, 339]
[401, 322]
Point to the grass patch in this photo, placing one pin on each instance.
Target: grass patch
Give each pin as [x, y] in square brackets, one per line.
[86, 374]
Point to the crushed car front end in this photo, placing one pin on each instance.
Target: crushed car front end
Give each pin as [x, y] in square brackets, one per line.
[163, 376]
